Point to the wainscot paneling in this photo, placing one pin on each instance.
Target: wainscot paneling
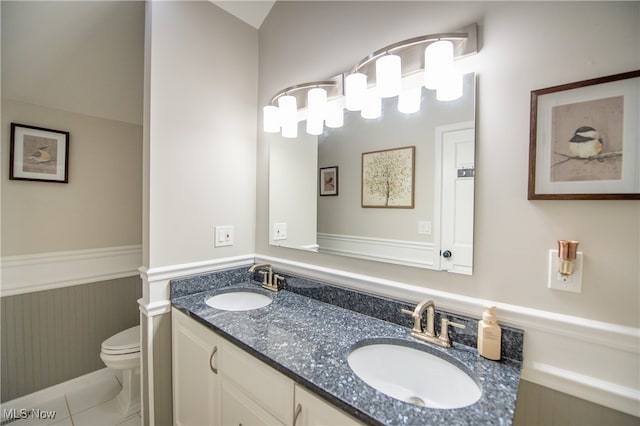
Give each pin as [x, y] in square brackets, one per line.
[538, 405]
[52, 336]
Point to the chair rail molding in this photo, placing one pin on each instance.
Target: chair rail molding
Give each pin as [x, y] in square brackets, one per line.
[46, 271]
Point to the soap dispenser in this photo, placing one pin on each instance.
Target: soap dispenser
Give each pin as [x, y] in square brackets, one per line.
[489, 335]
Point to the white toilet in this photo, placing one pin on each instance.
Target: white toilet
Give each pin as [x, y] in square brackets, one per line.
[122, 352]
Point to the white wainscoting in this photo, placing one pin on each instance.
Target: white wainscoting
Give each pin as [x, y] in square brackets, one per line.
[593, 360]
[46, 271]
[407, 253]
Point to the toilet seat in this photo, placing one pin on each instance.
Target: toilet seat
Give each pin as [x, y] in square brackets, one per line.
[125, 342]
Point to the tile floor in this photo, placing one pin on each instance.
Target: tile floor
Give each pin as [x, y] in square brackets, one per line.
[91, 406]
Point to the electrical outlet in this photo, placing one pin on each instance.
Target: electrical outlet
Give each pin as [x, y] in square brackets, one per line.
[557, 281]
[223, 236]
[279, 231]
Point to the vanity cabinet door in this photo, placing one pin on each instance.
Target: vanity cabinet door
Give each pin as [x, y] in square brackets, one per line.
[265, 393]
[310, 410]
[195, 350]
[239, 409]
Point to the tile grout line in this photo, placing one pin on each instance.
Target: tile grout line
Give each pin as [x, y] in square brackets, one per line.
[66, 401]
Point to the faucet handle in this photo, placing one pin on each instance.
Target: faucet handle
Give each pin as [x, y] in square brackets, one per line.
[277, 279]
[444, 331]
[417, 321]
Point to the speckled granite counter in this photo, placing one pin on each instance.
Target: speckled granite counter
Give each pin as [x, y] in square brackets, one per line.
[309, 341]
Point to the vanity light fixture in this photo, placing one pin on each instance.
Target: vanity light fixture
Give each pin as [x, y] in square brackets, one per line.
[383, 74]
[567, 251]
[283, 113]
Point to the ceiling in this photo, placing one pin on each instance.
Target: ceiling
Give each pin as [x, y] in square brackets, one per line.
[251, 12]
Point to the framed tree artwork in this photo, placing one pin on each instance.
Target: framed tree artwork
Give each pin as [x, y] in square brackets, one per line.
[388, 178]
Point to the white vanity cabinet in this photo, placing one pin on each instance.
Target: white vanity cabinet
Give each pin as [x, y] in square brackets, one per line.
[195, 362]
[217, 383]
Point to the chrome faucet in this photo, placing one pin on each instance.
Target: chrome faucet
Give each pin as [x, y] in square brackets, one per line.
[268, 276]
[428, 333]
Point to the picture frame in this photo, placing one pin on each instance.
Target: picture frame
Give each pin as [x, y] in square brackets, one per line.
[38, 154]
[328, 181]
[585, 140]
[388, 178]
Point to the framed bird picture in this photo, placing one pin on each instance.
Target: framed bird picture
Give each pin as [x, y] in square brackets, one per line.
[328, 181]
[585, 140]
[39, 154]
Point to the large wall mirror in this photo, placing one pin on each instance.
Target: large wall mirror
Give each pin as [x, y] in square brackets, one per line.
[435, 231]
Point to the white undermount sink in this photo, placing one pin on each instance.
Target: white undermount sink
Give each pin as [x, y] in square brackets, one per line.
[240, 300]
[414, 376]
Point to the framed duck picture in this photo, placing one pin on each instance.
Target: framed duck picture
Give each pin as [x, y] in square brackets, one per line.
[38, 154]
[585, 140]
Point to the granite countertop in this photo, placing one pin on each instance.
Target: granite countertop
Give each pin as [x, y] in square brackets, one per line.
[309, 341]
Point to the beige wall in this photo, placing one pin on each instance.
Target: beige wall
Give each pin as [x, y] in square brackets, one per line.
[80, 72]
[523, 46]
[202, 130]
[99, 207]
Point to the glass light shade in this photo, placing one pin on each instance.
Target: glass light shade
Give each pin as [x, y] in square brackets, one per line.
[372, 107]
[271, 119]
[438, 60]
[315, 126]
[355, 91]
[288, 116]
[316, 104]
[335, 117]
[451, 87]
[409, 100]
[388, 76]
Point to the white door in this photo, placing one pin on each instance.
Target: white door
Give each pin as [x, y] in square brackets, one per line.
[456, 144]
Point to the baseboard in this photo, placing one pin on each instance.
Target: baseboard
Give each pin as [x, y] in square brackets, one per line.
[36, 399]
[46, 271]
[592, 360]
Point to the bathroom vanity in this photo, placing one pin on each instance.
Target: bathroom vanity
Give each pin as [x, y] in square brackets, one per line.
[217, 383]
[287, 363]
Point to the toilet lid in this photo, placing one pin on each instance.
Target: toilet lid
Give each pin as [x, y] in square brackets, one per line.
[126, 341]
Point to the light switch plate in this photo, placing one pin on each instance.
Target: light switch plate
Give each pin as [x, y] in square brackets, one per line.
[557, 281]
[224, 236]
[424, 227]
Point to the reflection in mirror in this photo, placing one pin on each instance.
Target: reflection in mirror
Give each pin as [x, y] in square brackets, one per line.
[437, 233]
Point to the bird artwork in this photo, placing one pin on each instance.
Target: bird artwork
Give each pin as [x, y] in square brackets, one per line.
[41, 155]
[585, 143]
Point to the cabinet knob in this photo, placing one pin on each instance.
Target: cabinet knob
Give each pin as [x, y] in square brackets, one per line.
[447, 254]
